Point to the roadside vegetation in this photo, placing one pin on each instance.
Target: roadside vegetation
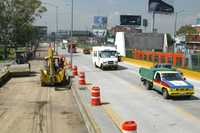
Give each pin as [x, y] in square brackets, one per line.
[16, 25]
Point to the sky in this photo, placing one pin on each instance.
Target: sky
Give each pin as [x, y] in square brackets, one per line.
[85, 10]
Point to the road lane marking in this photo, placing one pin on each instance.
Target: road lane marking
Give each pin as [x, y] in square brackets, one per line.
[188, 115]
[114, 116]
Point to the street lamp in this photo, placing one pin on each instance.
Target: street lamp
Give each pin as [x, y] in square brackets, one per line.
[56, 20]
[175, 23]
[72, 28]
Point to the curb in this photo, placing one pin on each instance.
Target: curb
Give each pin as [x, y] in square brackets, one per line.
[89, 120]
[4, 78]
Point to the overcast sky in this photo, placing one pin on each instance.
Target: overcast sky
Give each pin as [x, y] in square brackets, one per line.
[85, 10]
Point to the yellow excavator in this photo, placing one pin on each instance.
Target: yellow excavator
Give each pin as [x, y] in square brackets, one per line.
[54, 72]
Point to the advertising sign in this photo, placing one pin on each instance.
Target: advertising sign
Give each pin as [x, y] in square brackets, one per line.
[130, 20]
[99, 32]
[161, 6]
[100, 22]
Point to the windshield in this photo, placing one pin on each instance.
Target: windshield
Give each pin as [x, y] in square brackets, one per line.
[172, 76]
[107, 54]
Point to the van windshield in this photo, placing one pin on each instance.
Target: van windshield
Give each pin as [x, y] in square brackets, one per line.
[107, 54]
[172, 76]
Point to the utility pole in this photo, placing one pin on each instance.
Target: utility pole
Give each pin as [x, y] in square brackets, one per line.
[56, 21]
[72, 28]
[175, 22]
[153, 27]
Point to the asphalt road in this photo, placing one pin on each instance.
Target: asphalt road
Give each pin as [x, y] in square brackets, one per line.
[128, 98]
[26, 107]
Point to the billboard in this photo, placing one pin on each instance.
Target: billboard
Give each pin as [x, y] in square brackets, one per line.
[99, 32]
[161, 6]
[100, 22]
[130, 20]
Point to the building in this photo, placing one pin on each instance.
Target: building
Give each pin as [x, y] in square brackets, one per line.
[42, 32]
[193, 42]
[126, 41]
[123, 28]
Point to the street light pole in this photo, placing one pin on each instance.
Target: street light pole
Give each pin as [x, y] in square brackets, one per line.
[56, 20]
[175, 22]
[72, 26]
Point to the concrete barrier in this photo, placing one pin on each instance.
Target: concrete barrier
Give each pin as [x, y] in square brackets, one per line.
[4, 76]
[19, 70]
[13, 71]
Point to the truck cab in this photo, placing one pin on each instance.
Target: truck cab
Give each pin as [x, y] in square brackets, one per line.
[105, 57]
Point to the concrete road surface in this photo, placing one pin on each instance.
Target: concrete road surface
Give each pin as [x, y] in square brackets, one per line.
[128, 98]
[26, 107]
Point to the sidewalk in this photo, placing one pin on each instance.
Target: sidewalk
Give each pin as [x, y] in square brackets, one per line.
[96, 118]
[140, 63]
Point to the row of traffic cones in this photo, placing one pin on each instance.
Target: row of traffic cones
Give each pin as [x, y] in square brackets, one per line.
[127, 126]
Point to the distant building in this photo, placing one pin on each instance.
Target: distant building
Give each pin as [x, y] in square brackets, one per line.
[42, 32]
[197, 27]
[193, 42]
[123, 28]
[141, 41]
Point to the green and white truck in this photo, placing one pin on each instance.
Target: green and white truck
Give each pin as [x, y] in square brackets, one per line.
[169, 82]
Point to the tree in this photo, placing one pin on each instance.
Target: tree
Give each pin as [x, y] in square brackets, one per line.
[17, 17]
[187, 29]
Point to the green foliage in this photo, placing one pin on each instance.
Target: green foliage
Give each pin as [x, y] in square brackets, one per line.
[187, 29]
[17, 17]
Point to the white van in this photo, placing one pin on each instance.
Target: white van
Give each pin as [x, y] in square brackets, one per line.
[105, 57]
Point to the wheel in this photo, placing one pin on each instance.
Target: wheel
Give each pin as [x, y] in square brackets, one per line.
[165, 94]
[116, 67]
[43, 84]
[95, 65]
[188, 97]
[68, 80]
[148, 85]
[102, 67]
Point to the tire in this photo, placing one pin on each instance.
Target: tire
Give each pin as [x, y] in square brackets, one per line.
[43, 84]
[165, 94]
[102, 67]
[68, 80]
[116, 68]
[148, 85]
[95, 65]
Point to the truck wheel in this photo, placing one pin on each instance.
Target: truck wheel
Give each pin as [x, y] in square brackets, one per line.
[148, 85]
[116, 67]
[165, 94]
[95, 65]
[102, 67]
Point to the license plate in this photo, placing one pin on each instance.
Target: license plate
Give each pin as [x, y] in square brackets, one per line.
[110, 62]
